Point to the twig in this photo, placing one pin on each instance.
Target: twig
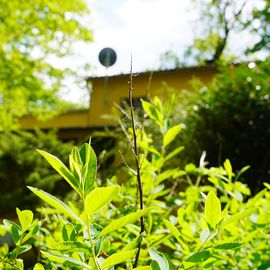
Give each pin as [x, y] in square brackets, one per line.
[131, 170]
[136, 154]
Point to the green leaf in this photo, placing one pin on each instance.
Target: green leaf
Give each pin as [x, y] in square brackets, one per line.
[133, 244]
[159, 258]
[175, 232]
[152, 112]
[71, 245]
[155, 266]
[123, 221]
[266, 185]
[171, 134]
[206, 235]
[63, 258]
[147, 267]
[68, 232]
[228, 246]
[165, 175]
[76, 157]
[19, 250]
[212, 209]
[228, 168]
[89, 170]
[117, 258]
[19, 264]
[200, 256]
[236, 217]
[9, 223]
[174, 153]
[145, 146]
[38, 266]
[99, 197]
[75, 170]
[32, 231]
[56, 203]
[244, 169]
[25, 218]
[16, 234]
[61, 169]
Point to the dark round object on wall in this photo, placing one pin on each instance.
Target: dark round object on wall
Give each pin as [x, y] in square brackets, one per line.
[107, 57]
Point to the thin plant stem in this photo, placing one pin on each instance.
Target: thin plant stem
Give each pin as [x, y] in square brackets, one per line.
[92, 245]
[136, 154]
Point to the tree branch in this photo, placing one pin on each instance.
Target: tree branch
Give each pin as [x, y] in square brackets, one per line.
[136, 154]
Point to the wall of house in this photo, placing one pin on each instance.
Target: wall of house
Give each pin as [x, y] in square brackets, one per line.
[105, 94]
[110, 91]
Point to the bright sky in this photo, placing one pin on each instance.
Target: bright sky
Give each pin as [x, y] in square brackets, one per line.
[145, 28]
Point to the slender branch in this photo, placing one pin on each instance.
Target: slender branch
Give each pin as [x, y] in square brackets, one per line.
[136, 154]
[92, 244]
[131, 170]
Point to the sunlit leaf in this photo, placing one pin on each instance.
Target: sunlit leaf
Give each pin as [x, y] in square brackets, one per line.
[174, 153]
[200, 256]
[38, 266]
[19, 250]
[123, 221]
[117, 258]
[175, 232]
[89, 170]
[147, 267]
[212, 209]
[228, 168]
[228, 246]
[133, 244]
[63, 258]
[237, 216]
[152, 112]
[100, 197]
[56, 203]
[25, 218]
[61, 169]
[159, 258]
[170, 135]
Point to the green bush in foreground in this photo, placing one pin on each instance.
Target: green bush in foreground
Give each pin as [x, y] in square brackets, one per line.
[212, 223]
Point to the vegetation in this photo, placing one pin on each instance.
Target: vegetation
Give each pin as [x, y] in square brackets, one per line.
[20, 165]
[31, 33]
[207, 219]
[217, 25]
[229, 119]
[155, 210]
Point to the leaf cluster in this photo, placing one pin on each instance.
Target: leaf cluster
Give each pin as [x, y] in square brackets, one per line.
[195, 218]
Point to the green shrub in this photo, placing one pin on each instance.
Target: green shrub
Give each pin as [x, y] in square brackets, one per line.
[21, 165]
[230, 118]
[211, 224]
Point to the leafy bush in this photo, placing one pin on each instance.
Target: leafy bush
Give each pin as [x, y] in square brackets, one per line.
[213, 223]
[230, 118]
[21, 165]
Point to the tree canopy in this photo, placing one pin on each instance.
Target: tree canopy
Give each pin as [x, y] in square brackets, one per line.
[30, 32]
[219, 25]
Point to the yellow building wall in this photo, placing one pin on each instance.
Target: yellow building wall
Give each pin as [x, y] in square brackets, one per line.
[104, 94]
[107, 92]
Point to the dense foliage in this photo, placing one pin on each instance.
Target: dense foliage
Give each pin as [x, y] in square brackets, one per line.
[21, 165]
[230, 118]
[31, 33]
[191, 218]
[261, 17]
